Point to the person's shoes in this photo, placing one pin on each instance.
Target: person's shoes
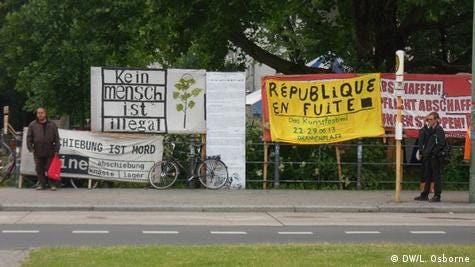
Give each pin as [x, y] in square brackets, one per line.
[435, 199]
[53, 188]
[422, 198]
[40, 187]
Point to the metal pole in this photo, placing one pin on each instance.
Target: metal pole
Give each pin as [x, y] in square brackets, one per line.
[192, 161]
[276, 166]
[266, 158]
[471, 193]
[18, 160]
[359, 166]
[398, 127]
[19, 143]
[5, 120]
[338, 165]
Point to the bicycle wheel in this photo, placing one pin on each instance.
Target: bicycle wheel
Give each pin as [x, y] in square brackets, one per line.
[4, 175]
[163, 174]
[7, 167]
[213, 173]
[83, 183]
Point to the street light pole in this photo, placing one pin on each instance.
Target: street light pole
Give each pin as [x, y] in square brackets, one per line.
[399, 91]
[471, 193]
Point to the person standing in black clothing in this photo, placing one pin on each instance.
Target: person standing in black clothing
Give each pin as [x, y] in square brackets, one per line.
[421, 141]
[43, 141]
[432, 146]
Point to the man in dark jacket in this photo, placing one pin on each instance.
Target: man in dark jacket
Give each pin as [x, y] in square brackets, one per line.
[433, 145]
[424, 134]
[43, 141]
[421, 141]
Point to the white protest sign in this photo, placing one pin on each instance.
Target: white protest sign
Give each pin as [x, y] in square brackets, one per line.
[226, 122]
[147, 100]
[186, 101]
[118, 157]
[448, 95]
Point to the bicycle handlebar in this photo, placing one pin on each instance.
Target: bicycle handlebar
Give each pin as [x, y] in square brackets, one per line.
[190, 145]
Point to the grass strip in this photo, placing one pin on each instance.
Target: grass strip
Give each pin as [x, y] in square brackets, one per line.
[272, 255]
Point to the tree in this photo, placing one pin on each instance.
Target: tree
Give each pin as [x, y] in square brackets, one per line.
[48, 46]
[8, 95]
[285, 35]
[435, 34]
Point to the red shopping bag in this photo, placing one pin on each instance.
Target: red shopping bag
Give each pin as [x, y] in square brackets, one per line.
[54, 171]
[467, 147]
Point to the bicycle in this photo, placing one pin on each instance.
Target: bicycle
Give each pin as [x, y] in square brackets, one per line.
[211, 172]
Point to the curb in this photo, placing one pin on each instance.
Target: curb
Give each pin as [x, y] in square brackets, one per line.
[199, 208]
[340, 208]
[425, 209]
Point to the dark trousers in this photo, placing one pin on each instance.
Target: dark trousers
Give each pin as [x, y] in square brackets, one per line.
[432, 173]
[42, 165]
[425, 171]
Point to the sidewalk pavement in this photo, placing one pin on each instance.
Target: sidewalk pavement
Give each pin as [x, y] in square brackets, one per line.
[11, 258]
[66, 199]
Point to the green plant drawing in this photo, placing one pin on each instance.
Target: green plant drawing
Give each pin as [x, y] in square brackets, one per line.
[184, 94]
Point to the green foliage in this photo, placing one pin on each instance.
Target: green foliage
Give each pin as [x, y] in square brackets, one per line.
[49, 47]
[255, 155]
[456, 172]
[365, 34]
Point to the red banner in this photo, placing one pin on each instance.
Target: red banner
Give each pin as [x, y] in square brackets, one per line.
[449, 95]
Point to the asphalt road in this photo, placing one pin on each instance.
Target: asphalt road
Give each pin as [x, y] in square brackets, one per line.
[23, 230]
[21, 237]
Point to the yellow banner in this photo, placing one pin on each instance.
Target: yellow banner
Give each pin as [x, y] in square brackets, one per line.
[321, 112]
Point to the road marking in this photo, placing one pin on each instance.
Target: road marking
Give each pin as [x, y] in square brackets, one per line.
[20, 231]
[361, 232]
[295, 233]
[90, 232]
[428, 232]
[160, 232]
[228, 233]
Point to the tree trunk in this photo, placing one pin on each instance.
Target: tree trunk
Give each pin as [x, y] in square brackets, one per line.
[361, 15]
[377, 38]
[385, 35]
[279, 64]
